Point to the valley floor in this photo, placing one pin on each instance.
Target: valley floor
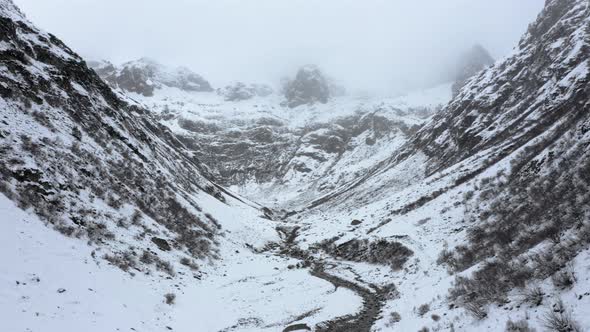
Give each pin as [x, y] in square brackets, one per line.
[54, 285]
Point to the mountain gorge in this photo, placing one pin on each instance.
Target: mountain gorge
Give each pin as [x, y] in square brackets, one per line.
[137, 197]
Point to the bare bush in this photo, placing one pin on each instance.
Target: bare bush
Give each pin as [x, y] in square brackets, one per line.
[518, 326]
[476, 310]
[170, 298]
[394, 317]
[423, 309]
[533, 295]
[559, 319]
[7, 190]
[149, 258]
[564, 278]
[189, 263]
[125, 261]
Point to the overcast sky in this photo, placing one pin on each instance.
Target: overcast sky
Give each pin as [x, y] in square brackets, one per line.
[367, 44]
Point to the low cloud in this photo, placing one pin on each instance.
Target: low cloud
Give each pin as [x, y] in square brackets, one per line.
[379, 45]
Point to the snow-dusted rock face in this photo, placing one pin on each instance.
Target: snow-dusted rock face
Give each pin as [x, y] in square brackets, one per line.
[241, 91]
[143, 76]
[469, 64]
[540, 85]
[308, 87]
[526, 123]
[261, 148]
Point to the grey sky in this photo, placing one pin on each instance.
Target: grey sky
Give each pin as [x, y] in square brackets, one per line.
[368, 44]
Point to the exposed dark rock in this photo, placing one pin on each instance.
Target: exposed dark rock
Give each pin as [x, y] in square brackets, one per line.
[309, 86]
[297, 327]
[161, 243]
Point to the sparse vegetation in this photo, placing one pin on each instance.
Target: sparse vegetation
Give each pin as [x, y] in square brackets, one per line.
[564, 278]
[559, 319]
[381, 251]
[533, 296]
[512, 223]
[394, 318]
[518, 326]
[149, 258]
[125, 261]
[423, 309]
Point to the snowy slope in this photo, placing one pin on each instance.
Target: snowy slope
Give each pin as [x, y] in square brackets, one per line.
[49, 284]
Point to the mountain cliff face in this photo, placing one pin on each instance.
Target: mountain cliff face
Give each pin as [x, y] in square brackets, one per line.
[260, 148]
[144, 76]
[520, 98]
[527, 118]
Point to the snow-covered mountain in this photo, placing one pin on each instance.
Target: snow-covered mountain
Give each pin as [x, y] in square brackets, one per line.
[423, 212]
[262, 148]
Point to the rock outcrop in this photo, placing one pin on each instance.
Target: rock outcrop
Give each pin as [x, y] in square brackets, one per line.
[144, 76]
[308, 87]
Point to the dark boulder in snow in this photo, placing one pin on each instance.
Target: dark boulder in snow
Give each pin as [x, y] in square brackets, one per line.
[161, 243]
[297, 327]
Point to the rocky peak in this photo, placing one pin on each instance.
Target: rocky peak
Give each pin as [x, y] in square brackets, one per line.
[308, 87]
[9, 10]
[470, 63]
[145, 75]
